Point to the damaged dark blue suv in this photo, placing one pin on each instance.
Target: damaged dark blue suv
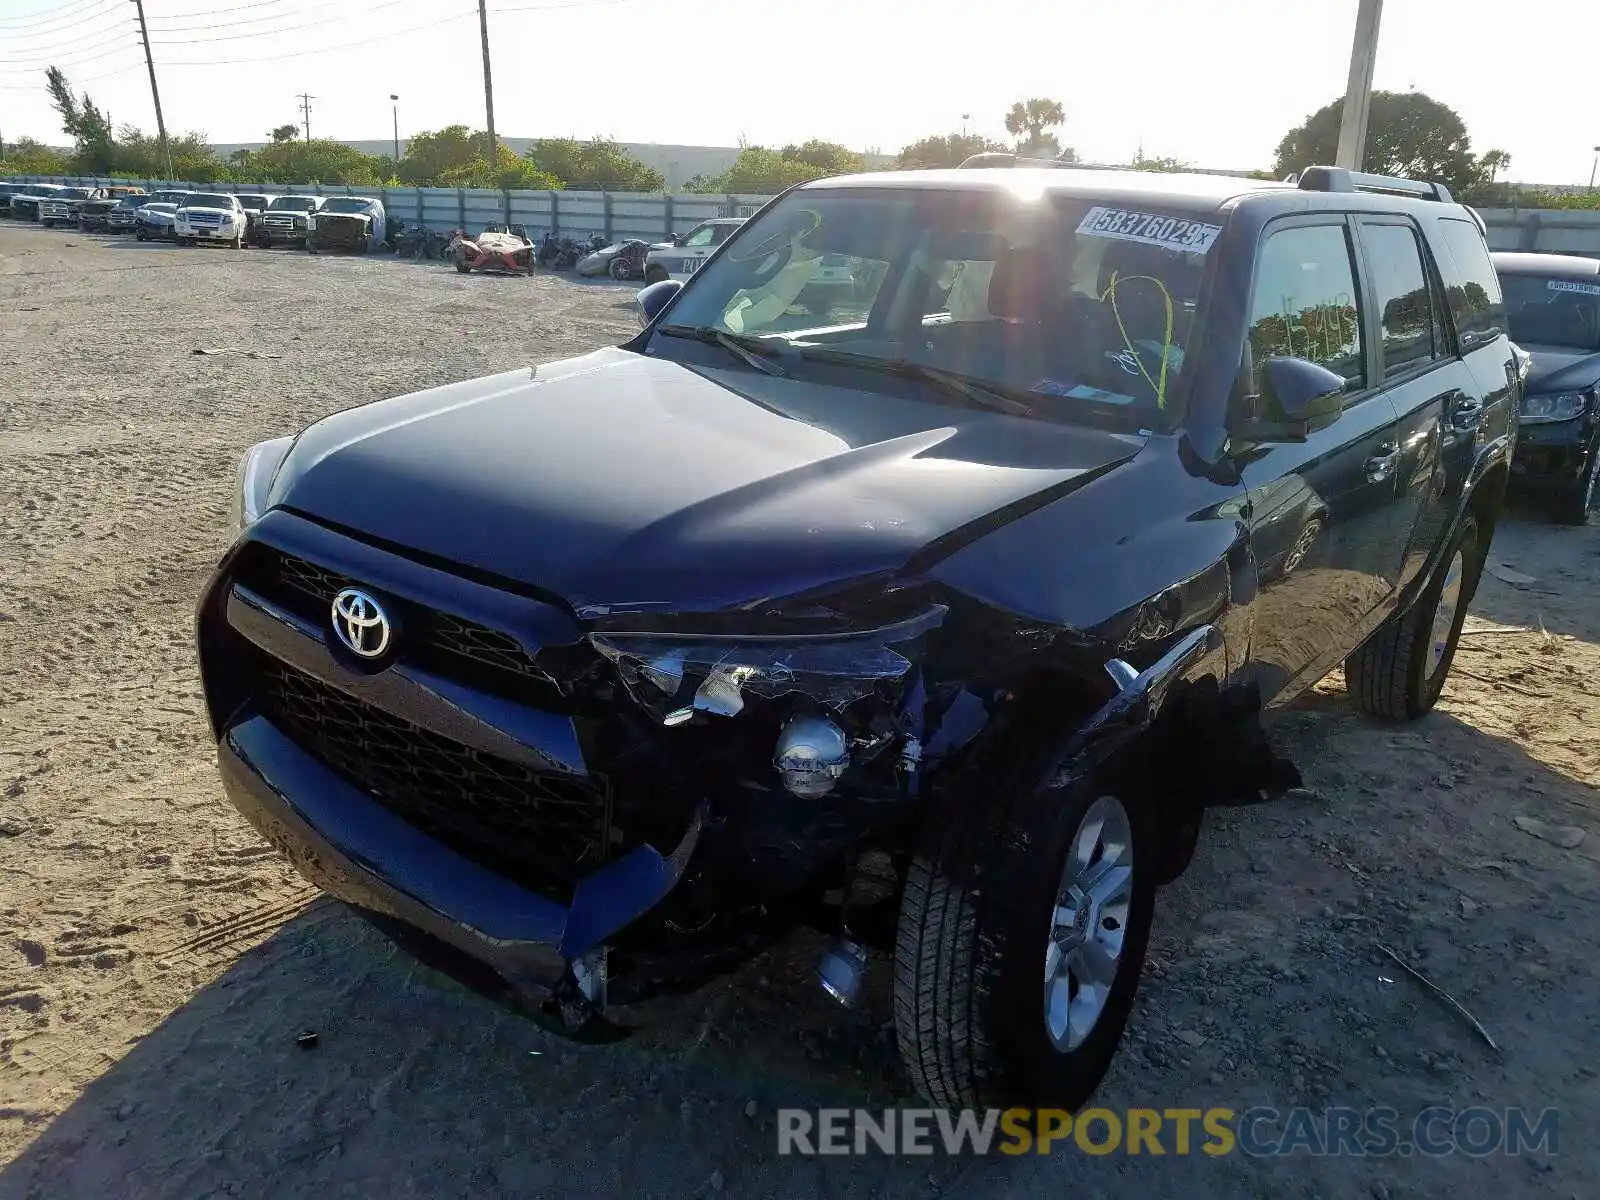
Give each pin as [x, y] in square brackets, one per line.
[920, 572]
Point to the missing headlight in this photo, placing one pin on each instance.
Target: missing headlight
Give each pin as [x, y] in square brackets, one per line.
[660, 669]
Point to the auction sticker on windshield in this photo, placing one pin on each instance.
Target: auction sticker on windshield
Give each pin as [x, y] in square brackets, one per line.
[1574, 285]
[1170, 233]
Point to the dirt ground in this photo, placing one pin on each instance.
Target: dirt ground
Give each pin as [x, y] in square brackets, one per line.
[157, 962]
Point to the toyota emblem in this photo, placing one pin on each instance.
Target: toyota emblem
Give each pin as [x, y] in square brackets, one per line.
[360, 623]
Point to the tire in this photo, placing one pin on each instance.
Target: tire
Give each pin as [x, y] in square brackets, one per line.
[978, 921]
[138, 235]
[654, 273]
[1571, 505]
[619, 269]
[47, 224]
[1400, 670]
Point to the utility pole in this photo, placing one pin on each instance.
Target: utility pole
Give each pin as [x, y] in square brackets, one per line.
[155, 92]
[1358, 91]
[395, 102]
[488, 85]
[305, 111]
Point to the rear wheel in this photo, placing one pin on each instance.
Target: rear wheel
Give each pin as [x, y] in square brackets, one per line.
[1022, 934]
[462, 265]
[1400, 670]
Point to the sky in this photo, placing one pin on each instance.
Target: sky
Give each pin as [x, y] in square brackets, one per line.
[1212, 82]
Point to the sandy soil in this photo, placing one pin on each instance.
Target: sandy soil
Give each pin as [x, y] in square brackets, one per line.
[157, 962]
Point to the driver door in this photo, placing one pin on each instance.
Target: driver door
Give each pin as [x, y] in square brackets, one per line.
[1320, 512]
[696, 248]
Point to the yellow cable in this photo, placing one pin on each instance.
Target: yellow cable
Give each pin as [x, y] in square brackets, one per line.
[1166, 341]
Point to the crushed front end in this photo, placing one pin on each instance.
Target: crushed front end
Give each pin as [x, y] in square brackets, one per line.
[582, 807]
[340, 231]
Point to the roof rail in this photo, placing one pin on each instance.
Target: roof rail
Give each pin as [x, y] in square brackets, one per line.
[1342, 179]
[1000, 158]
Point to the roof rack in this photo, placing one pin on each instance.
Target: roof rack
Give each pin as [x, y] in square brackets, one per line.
[1000, 158]
[1341, 179]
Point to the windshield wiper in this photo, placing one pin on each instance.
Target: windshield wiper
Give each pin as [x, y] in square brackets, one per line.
[757, 352]
[953, 383]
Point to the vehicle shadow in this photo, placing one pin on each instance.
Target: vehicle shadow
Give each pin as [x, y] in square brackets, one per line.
[1553, 576]
[1263, 988]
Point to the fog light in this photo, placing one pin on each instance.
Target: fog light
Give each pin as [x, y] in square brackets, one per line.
[811, 754]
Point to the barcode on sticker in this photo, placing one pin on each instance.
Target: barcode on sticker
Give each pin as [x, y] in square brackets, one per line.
[1153, 229]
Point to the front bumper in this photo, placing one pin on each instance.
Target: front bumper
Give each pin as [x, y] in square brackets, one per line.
[207, 233]
[1555, 455]
[355, 846]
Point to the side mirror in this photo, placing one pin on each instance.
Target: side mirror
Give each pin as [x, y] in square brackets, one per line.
[1298, 397]
[679, 238]
[654, 298]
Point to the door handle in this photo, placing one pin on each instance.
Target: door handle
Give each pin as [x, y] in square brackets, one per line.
[1466, 415]
[1381, 465]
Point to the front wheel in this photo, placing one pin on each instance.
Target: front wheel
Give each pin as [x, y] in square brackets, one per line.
[654, 273]
[1021, 939]
[1571, 505]
[1400, 670]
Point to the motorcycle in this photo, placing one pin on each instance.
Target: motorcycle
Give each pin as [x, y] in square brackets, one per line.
[619, 260]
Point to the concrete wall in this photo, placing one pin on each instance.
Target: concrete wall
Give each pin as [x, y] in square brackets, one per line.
[650, 217]
[1548, 230]
[653, 216]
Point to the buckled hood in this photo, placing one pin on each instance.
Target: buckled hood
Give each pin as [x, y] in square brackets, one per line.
[621, 479]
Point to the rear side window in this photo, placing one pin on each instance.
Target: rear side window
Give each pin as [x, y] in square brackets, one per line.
[1404, 300]
[1471, 287]
[1304, 304]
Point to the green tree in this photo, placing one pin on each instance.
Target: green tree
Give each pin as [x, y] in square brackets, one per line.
[285, 133]
[139, 156]
[1029, 121]
[762, 172]
[317, 161]
[944, 150]
[1141, 163]
[82, 121]
[28, 157]
[828, 157]
[1408, 133]
[597, 165]
[431, 156]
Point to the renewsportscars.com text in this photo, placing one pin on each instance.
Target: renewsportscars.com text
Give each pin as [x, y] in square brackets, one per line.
[1256, 1132]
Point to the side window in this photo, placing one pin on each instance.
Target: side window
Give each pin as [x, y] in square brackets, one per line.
[1471, 288]
[719, 233]
[1304, 304]
[1404, 300]
[701, 237]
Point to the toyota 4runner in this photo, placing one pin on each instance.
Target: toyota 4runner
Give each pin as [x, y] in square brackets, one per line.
[938, 625]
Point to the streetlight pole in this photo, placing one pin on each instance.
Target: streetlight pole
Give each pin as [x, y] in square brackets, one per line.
[1592, 166]
[395, 101]
[1358, 89]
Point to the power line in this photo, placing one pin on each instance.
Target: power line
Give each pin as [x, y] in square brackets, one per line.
[343, 15]
[55, 57]
[366, 41]
[16, 25]
[29, 43]
[290, 16]
[214, 12]
[28, 87]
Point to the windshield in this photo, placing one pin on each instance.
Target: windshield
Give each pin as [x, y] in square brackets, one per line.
[1066, 305]
[347, 204]
[294, 203]
[162, 206]
[253, 203]
[208, 200]
[1560, 313]
[73, 194]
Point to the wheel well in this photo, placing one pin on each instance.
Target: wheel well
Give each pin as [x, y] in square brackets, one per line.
[1486, 499]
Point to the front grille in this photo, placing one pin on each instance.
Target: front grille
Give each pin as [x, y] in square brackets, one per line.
[544, 831]
[443, 642]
